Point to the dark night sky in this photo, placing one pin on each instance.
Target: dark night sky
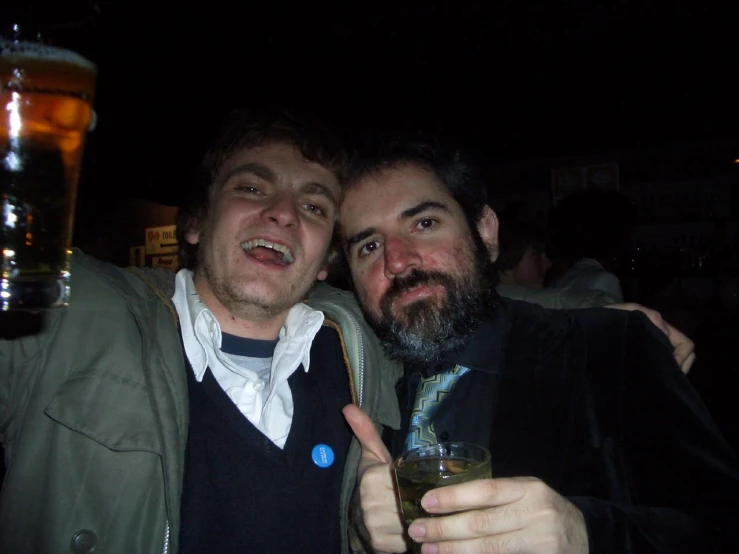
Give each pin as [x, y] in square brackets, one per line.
[515, 79]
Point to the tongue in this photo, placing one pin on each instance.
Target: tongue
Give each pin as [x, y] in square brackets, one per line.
[266, 255]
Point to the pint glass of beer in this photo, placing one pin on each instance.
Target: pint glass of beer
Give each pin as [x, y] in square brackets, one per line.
[46, 97]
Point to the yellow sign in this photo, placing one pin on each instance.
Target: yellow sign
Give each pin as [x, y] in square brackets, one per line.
[161, 240]
[167, 262]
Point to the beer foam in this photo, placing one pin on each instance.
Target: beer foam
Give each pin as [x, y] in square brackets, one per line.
[44, 52]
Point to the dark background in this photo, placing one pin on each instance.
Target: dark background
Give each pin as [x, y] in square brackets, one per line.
[514, 80]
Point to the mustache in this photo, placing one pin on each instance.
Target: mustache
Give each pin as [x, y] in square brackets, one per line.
[415, 278]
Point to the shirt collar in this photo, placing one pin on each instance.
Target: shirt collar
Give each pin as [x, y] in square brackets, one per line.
[197, 323]
[201, 332]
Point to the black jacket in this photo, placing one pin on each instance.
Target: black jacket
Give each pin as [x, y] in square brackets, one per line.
[592, 402]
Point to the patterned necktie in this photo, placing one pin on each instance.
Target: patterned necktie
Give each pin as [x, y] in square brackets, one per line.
[431, 393]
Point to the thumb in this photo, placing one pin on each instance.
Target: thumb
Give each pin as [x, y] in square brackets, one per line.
[373, 449]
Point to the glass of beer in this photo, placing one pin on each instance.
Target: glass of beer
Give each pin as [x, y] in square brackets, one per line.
[46, 93]
[419, 470]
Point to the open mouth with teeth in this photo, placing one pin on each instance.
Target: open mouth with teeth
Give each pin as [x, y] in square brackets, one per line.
[268, 252]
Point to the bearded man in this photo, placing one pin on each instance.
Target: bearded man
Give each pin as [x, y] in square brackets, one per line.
[599, 443]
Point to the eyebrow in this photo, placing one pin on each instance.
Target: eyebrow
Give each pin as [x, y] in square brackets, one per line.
[314, 187]
[265, 173]
[428, 205]
[261, 171]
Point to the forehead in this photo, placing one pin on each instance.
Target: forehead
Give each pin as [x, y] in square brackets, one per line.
[392, 191]
[284, 161]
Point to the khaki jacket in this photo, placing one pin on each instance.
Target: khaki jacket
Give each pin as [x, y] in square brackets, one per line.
[94, 415]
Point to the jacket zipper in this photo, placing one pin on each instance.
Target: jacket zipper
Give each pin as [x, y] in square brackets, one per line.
[360, 350]
[165, 549]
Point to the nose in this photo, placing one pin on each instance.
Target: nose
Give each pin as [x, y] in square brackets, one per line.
[282, 208]
[400, 257]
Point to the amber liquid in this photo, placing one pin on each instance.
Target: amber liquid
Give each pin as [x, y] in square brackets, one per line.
[416, 477]
[46, 99]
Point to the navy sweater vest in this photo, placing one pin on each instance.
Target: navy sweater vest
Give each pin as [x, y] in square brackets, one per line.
[241, 493]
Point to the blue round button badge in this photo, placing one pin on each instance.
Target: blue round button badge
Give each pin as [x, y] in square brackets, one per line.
[323, 455]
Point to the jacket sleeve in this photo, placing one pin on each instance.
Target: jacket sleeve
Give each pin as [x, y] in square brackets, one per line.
[20, 345]
[684, 494]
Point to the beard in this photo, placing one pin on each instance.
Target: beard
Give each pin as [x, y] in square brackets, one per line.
[427, 329]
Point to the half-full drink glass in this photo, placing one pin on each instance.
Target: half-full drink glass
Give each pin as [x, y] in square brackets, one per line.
[46, 97]
[419, 470]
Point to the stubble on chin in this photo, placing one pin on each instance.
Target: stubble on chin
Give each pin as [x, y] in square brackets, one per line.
[242, 298]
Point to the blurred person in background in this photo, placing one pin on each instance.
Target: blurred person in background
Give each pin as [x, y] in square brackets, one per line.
[590, 234]
[523, 265]
[523, 259]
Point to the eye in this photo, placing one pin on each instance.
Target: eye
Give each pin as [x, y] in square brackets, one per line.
[249, 189]
[426, 223]
[315, 210]
[367, 248]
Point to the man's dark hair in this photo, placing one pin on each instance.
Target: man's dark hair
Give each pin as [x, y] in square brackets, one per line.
[516, 236]
[378, 151]
[244, 128]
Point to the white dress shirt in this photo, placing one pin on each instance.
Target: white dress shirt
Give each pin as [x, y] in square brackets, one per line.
[201, 336]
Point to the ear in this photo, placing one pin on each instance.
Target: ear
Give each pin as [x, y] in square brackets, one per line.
[191, 223]
[487, 226]
[323, 272]
[193, 236]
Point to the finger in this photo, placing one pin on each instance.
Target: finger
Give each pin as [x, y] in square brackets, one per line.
[380, 513]
[688, 363]
[463, 529]
[369, 438]
[472, 495]
[380, 517]
[684, 349]
[535, 513]
[504, 542]
[555, 529]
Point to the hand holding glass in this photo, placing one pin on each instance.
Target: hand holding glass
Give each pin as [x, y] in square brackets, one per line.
[419, 470]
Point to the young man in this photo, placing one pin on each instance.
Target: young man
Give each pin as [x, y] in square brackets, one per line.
[599, 443]
[200, 413]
